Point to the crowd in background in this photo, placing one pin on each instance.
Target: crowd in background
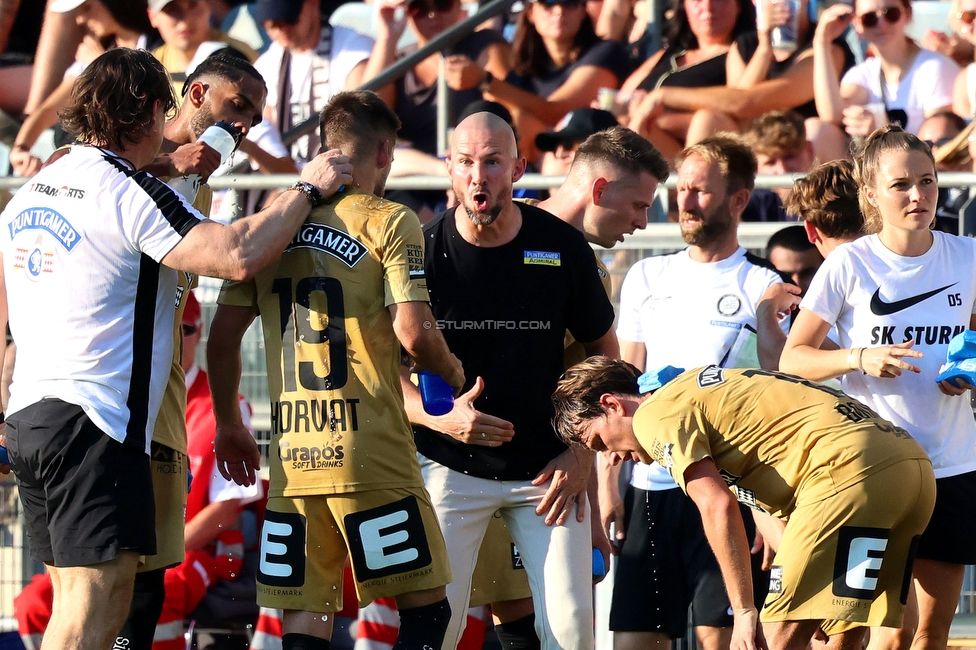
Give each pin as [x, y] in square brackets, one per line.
[697, 68]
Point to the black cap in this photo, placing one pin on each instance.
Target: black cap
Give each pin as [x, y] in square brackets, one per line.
[485, 106]
[278, 10]
[577, 126]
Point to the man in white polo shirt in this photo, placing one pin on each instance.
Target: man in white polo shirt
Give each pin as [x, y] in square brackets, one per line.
[90, 249]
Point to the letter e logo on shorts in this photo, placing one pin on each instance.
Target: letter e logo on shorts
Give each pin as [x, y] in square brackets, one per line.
[860, 552]
[282, 550]
[387, 540]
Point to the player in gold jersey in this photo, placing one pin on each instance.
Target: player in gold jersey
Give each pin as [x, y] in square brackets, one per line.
[337, 306]
[856, 489]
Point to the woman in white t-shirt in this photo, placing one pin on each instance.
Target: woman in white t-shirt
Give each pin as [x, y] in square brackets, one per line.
[896, 298]
[901, 81]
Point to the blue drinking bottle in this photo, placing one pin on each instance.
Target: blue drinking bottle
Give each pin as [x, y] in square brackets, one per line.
[436, 394]
[4, 458]
[599, 569]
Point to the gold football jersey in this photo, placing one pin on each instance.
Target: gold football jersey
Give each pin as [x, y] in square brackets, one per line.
[170, 427]
[337, 417]
[770, 434]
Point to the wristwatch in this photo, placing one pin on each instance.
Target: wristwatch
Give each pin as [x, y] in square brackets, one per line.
[310, 191]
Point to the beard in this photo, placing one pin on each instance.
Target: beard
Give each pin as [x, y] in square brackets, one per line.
[711, 228]
[483, 217]
[489, 214]
[202, 120]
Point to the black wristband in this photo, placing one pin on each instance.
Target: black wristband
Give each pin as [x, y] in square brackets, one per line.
[2, 418]
[310, 191]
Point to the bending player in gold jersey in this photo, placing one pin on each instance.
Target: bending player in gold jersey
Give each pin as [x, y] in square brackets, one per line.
[857, 491]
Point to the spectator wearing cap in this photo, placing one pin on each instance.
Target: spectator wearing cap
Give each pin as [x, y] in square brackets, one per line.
[307, 62]
[414, 95]
[780, 143]
[560, 64]
[107, 23]
[559, 145]
[184, 26]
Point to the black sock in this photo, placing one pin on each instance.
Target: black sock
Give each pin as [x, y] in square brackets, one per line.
[423, 627]
[518, 634]
[303, 642]
[147, 604]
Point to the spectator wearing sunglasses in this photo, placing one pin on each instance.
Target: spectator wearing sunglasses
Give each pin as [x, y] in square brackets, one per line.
[560, 64]
[902, 81]
[414, 96]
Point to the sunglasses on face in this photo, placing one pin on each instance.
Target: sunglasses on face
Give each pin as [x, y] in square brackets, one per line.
[941, 142]
[426, 7]
[872, 18]
[966, 17]
[189, 330]
[568, 4]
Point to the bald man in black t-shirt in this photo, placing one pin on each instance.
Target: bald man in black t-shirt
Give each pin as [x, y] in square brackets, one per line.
[506, 282]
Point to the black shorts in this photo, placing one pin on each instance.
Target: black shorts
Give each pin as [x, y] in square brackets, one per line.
[86, 497]
[950, 533]
[664, 564]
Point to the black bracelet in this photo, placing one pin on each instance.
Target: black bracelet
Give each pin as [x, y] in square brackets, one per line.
[2, 418]
[310, 191]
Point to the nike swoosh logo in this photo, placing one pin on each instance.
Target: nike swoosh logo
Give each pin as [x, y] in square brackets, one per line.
[881, 308]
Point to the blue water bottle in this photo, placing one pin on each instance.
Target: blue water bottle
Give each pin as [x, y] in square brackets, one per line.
[4, 457]
[436, 394]
[599, 568]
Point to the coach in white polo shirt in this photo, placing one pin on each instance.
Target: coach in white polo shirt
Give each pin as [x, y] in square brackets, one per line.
[692, 308]
[90, 248]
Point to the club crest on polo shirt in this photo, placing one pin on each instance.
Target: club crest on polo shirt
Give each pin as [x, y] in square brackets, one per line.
[329, 240]
[541, 258]
[35, 261]
[729, 304]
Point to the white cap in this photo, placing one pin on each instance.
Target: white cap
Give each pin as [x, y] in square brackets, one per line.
[64, 6]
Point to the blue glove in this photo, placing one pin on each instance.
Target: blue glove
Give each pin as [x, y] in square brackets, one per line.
[653, 379]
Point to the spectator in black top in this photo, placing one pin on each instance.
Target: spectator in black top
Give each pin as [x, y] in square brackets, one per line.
[20, 29]
[759, 79]
[699, 37]
[780, 143]
[560, 64]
